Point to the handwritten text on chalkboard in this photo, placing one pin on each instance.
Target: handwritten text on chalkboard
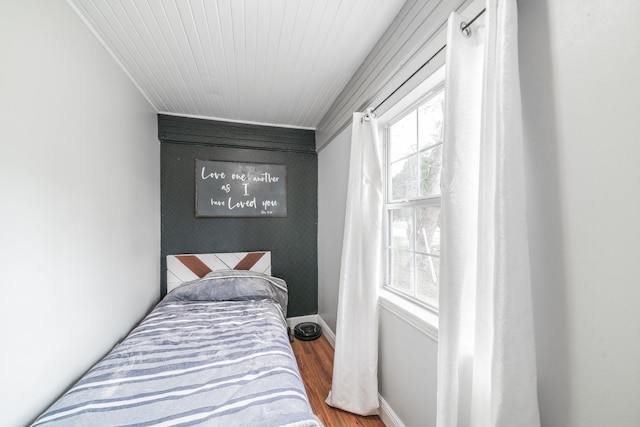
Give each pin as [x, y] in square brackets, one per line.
[240, 189]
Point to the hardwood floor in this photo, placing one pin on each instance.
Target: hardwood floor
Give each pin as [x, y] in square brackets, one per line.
[315, 360]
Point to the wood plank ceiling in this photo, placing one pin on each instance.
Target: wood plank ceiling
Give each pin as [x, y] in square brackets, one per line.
[279, 62]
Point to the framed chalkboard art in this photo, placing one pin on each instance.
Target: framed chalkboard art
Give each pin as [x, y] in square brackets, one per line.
[235, 189]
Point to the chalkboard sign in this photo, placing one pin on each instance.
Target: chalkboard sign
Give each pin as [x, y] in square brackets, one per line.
[225, 189]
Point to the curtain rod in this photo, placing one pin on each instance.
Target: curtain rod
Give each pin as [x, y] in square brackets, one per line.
[464, 27]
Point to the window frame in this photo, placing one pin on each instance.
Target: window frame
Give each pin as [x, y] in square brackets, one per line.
[415, 311]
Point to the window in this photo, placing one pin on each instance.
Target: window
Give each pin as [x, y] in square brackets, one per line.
[414, 141]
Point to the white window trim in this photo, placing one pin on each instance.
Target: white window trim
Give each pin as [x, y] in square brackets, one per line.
[417, 315]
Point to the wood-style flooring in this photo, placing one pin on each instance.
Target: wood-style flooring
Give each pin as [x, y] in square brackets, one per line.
[315, 360]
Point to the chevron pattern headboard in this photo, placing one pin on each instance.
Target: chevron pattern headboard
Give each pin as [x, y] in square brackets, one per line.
[187, 267]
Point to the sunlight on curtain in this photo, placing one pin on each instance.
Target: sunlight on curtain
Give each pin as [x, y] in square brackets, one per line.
[355, 367]
[486, 360]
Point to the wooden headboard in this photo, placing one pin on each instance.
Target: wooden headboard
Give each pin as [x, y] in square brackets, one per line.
[187, 267]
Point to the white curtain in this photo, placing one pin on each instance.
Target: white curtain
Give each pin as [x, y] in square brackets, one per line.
[355, 367]
[486, 360]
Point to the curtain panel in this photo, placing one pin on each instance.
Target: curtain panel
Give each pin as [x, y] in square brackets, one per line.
[486, 356]
[355, 369]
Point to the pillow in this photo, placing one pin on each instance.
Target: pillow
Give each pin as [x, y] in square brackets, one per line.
[232, 285]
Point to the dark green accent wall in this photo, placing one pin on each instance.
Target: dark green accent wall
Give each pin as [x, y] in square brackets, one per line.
[292, 240]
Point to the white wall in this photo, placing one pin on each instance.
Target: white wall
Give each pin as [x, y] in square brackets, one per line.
[407, 370]
[580, 62]
[80, 204]
[333, 173]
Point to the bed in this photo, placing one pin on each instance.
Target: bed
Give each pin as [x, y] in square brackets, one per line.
[215, 351]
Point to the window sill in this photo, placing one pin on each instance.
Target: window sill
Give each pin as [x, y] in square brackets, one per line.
[420, 318]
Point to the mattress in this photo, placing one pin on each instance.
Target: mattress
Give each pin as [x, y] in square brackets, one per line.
[214, 352]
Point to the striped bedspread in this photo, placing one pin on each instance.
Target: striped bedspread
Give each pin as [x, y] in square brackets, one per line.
[215, 363]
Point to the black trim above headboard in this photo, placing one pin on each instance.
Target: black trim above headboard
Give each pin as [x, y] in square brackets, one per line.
[188, 130]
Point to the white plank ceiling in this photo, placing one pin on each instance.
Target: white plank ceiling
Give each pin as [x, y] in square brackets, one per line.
[279, 62]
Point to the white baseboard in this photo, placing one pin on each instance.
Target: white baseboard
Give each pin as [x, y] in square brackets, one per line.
[388, 417]
[327, 332]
